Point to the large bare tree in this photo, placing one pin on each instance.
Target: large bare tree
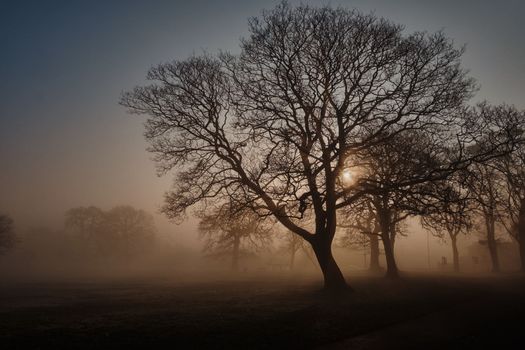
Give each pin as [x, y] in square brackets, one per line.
[272, 127]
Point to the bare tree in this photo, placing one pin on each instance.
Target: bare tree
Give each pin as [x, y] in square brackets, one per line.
[406, 175]
[87, 223]
[485, 184]
[389, 218]
[131, 231]
[294, 244]
[121, 230]
[451, 215]
[397, 174]
[362, 229]
[232, 232]
[512, 168]
[274, 125]
[7, 234]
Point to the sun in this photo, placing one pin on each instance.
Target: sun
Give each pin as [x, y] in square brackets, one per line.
[347, 177]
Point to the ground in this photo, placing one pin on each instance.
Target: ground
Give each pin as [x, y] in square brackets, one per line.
[433, 312]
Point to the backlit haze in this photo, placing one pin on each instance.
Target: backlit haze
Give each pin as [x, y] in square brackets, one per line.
[65, 141]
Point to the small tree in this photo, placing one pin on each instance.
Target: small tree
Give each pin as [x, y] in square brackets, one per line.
[132, 231]
[485, 179]
[485, 184]
[362, 229]
[7, 234]
[512, 168]
[232, 231]
[123, 230]
[87, 223]
[451, 215]
[397, 174]
[294, 244]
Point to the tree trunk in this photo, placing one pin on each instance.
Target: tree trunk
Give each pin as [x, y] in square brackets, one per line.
[235, 253]
[391, 266]
[385, 224]
[333, 278]
[374, 253]
[491, 242]
[455, 253]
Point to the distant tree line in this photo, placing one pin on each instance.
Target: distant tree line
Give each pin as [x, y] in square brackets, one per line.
[88, 233]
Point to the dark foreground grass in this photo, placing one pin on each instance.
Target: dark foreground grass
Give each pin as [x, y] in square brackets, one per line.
[435, 312]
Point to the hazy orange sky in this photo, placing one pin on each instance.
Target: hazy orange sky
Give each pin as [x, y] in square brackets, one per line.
[65, 141]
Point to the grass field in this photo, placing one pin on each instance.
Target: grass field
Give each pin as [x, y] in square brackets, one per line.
[280, 312]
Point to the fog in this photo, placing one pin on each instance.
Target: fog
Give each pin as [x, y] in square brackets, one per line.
[56, 253]
[329, 174]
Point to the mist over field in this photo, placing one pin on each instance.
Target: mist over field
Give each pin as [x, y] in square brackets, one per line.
[282, 174]
[54, 253]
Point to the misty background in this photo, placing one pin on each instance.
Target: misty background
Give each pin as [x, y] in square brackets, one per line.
[65, 142]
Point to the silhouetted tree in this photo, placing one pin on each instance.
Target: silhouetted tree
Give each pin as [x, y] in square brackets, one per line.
[361, 229]
[121, 230]
[512, 168]
[88, 224]
[485, 184]
[389, 219]
[451, 215]
[405, 175]
[397, 174]
[87, 220]
[131, 230]
[294, 244]
[7, 234]
[232, 231]
[273, 126]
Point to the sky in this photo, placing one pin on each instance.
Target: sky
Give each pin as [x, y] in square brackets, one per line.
[66, 142]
